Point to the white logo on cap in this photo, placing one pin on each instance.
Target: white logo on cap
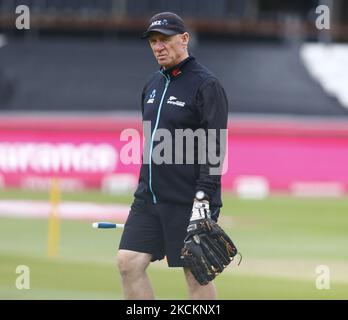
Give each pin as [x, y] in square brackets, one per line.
[163, 22]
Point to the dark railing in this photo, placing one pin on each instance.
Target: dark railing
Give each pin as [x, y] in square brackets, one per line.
[133, 8]
[241, 17]
[203, 8]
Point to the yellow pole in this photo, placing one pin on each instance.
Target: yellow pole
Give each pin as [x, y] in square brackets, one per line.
[53, 223]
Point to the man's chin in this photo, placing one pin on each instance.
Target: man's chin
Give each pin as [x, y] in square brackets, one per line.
[163, 62]
[166, 65]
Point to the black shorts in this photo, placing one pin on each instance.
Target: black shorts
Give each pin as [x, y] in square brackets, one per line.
[158, 229]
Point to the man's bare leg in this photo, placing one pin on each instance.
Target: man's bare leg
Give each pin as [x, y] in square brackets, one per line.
[197, 291]
[132, 267]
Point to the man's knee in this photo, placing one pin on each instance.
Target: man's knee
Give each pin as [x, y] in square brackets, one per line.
[132, 262]
[198, 291]
[191, 280]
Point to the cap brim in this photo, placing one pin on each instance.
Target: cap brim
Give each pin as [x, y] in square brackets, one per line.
[163, 31]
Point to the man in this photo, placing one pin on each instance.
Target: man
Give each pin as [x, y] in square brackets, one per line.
[182, 95]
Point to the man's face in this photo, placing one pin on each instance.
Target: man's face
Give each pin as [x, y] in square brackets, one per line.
[169, 50]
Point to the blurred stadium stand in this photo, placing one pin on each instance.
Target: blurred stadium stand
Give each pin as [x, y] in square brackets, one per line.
[257, 17]
[68, 74]
[44, 68]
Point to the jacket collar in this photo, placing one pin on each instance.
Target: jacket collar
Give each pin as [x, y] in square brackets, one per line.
[175, 71]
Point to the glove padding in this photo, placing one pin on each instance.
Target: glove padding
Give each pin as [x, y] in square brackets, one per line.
[207, 250]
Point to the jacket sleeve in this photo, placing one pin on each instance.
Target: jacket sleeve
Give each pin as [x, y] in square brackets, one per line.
[142, 99]
[143, 93]
[213, 111]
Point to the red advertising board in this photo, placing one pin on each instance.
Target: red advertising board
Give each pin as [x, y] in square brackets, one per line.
[94, 152]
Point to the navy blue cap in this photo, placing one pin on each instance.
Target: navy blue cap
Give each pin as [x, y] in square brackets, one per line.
[167, 23]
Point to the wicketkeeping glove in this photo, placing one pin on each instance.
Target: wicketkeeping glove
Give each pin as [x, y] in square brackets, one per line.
[207, 248]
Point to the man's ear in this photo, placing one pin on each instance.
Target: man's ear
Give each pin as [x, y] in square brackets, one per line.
[185, 39]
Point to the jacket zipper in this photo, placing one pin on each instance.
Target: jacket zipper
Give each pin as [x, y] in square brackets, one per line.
[153, 135]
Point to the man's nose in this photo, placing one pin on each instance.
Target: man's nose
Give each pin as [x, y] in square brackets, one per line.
[159, 46]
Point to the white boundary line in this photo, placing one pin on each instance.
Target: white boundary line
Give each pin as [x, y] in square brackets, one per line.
[66, 210]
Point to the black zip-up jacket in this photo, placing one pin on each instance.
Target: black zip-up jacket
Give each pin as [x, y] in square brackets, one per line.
[186, 96]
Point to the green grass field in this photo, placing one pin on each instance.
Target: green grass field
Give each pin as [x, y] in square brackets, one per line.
[282, 239]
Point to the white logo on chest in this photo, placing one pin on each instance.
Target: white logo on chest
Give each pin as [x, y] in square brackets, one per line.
[152, 96]
[173, 100]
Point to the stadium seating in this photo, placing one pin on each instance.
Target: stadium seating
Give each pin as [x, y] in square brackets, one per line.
[108, 75]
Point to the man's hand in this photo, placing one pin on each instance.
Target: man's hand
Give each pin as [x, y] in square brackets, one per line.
[207, 248]
[200, 210]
